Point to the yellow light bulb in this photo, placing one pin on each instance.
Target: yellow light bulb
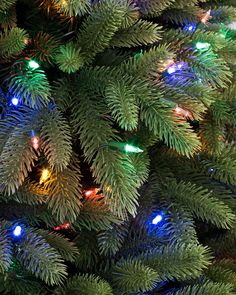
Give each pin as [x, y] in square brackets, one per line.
[44, 176]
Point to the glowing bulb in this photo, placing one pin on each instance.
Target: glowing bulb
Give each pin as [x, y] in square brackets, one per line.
[17, 231]
[157, 219]
[211, 170]
[206, 17]
[44, 176]
[91, 192]
[190, 27]
[35, 142]
[178, 110]
[15, 101]
[65, 226]
[181, 112]
[171, 70]
[33, 64]
[57, 228]
[202, 45]
[132, 149]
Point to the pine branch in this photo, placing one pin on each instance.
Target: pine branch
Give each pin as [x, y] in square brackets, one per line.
[69, 58]
[110, 169]
[64, 193]
[221, 167]
[5, 249]
[12, 42]
[73, 7]
[18, 281]
[121, 100]
[40, 259]
[86, 284]
[212, 135]
[95, 215]
[148, 62]
[211, 68]
[8, 18]
[141, 164]
[31, 86]
[100, 26]
[66, 249]
[177, 261]
[174, 131]
[152, 8]
[56, 139]
[131, 15]
[111, 240]
[203, 205]
[133, 276]
[184, 15]
[220, 274]
[223, 14]
[45, 46]
[6, 4]
[140, 33]
[17, 157]
[207, 288]
[89, 257]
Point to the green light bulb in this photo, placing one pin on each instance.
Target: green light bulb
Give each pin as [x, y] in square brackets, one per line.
[202, 45]
[33, 64]
[132, 149]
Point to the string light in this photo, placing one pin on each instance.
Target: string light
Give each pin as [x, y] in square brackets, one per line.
[44, 176]
[15, 101]
[168, 63]
[17, 231]
[35, 142]
[190, 27]
[33, 64]
[206, 17]
[181, 112]
[124, 147]
[65, 225]
[172, 69]
[202, 45]
[132, 149]
[157, 219]
[91, 192]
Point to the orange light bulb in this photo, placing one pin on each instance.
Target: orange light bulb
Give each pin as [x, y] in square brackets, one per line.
[44, 176]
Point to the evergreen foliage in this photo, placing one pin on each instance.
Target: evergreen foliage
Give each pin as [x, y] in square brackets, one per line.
[84, 86]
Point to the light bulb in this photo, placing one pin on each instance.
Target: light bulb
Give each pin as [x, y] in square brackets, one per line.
[171, 69]
[17, 231]
[132, 149]
[15, 101]
[35, 142]
[157, 219]
[44, 176]
[202, 45]
[33, 64]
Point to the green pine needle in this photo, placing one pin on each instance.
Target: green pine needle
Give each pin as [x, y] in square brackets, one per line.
[140, 33]
[12, 42]
[69, 58]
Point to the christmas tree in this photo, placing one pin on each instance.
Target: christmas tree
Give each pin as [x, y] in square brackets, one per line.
[117, 147]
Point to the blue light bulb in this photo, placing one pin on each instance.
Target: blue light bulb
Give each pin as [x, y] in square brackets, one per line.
[157, 219]
[190, 27]
[171, 70]
[15, 101]
[17, 231]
